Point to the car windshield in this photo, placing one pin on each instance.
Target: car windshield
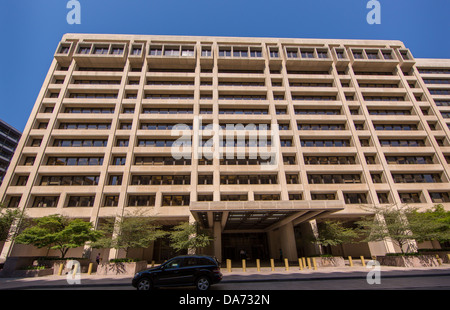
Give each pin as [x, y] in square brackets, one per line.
[174, 263]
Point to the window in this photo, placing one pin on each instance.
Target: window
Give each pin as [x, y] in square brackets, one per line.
[136, 51]
[81, 201]
[206, 52]
[13, 201]
[141, 200]
[417, 178]
[323, 196]
[69, 180]
[208, 197]
[295, 197]
[383, 197]
[119, 160]
[155, 51]
[440, 197]
[410, 197]
[111, 201]
[273, 52]
[84, 50]
[175, 200]
[355, 198]
[117, 51]
[267, 197]
[230, 197]
[334, 179]
[115, 180]
[45, 202]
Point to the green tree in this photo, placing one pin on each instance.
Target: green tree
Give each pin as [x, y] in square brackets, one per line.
[8, 217]
[406, 223]
[432, 224]
[332, 233]
[127, 232]
[187, 236]
[58, 232]
[388, 222]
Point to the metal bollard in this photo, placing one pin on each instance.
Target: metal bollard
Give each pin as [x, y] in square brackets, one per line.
[229, 265]
[244, 269]
[439, 260]
[350, 261]
[90, 268]
[300, 264]
[272, 264]
[363, 262]
[153, 263]
[258, 265]
[286, 264]
[309, 262]
[304, 262]
[61, 266]
[314, 263]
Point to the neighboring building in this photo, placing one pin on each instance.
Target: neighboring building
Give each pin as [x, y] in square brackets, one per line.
[9, 137]
[352, 123]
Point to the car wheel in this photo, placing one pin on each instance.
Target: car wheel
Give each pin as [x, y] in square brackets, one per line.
[144, 284]
[202, 283]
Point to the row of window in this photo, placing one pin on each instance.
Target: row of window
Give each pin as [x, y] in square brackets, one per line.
[149, 200]
[231, 143]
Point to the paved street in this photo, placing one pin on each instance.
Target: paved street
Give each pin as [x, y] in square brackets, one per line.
[437, 278]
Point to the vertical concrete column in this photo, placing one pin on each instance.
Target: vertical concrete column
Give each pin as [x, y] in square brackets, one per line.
[218, 240]
[272, 238]
[287, 242]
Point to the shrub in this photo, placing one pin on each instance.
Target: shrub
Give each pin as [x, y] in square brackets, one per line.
[123, 260]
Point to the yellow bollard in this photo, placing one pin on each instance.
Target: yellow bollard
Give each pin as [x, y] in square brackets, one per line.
[350, 261]
[229, 265]
[309, 262]
[153, 263]
[439, 260]
[61, 266]
[286, 264]
[243, 266]
[448, 256]
[314, 263]
[304, 262]
[258, 265]
[300, 264]
[272, 264]
[90, 268]
[363, 262]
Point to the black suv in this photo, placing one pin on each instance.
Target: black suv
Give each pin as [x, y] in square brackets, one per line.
[200, 271]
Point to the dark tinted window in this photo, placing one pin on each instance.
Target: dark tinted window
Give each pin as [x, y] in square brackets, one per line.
[175, 263]
[204, 261]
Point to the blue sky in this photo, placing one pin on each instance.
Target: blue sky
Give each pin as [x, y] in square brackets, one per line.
[31, 29]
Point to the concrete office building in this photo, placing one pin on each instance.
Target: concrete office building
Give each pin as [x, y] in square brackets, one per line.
[9, 137]
[351, 122]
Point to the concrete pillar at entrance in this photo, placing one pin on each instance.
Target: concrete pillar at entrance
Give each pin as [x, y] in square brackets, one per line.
[287, 242]
[272, 238]
[218, 241]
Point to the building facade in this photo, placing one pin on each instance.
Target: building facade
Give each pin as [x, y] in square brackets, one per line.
[276, 135]
[9, 137]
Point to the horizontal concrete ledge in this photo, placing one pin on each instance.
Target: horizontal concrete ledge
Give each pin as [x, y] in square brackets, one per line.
[306, 205]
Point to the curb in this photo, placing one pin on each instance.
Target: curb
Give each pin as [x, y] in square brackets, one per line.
[246, 279]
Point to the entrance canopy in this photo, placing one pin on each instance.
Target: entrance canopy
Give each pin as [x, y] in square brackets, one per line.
[260, 215]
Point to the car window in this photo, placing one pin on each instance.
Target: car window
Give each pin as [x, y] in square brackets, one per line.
[204, 261]
[175, 263]
[190, 261]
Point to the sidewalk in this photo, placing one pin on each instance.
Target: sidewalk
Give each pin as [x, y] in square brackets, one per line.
[236, 276]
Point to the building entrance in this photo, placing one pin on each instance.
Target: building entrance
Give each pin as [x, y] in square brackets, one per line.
[237, 246]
